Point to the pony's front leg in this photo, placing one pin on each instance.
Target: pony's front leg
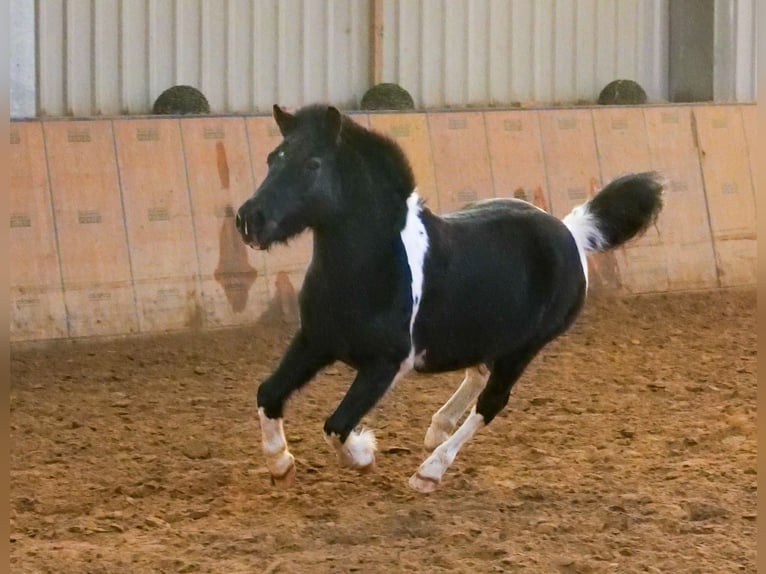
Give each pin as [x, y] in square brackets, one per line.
[299, 364]
[356, 448]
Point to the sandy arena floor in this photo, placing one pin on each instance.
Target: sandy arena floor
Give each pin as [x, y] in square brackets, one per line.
[628, 446]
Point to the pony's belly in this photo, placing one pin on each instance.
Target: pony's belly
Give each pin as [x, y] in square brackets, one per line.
[451, 336]
[444, 365]
[438, 354]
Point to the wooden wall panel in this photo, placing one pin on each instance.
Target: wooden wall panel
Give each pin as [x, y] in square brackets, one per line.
[750, 123]
[362, 118]
[410, 131]
[95, 262]
[683, 224]
[36, 297]
[285, 270]
[263, 136]
[461, 158]
[728, 187]
[233, 276]
[516, 155]
[127, 225]
[623, 148]
[161, 233]
[571, 161]
[621, 141]
[572, 169]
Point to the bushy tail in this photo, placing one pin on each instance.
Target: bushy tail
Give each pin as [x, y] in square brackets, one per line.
[622, 210]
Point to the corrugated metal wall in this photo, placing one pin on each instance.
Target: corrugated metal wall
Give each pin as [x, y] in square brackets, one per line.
[117, 56]
[486, 52]
[735, 50]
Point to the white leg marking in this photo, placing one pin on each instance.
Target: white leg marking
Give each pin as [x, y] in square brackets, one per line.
[415, 240]
[443, 422]
[359, 449]
[430, 473]
[279, 461]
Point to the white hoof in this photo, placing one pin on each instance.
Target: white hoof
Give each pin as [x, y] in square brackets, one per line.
[287, 478]
[423, 484]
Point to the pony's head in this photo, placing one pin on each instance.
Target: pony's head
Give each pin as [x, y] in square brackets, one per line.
[302, 181]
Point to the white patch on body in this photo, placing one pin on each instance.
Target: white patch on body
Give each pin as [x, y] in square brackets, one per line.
[582, 225]
[415, 240]
[418, 360]
[430, 473]
[278, 459]
[444, 421]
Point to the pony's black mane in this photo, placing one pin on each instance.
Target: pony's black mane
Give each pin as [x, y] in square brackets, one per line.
[381, 154]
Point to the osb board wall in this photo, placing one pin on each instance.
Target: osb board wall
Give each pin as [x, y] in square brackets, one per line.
[125, 225]
[95, 259]
[36, 291]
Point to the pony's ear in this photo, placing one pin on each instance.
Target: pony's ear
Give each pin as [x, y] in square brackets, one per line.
[285, 121]
[334, 121]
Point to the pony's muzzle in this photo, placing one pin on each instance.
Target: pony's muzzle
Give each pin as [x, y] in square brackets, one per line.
[253, 227]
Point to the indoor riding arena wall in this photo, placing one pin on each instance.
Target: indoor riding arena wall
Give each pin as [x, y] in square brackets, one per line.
[125, 225]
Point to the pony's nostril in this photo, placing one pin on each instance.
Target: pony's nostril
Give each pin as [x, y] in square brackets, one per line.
[250, 223]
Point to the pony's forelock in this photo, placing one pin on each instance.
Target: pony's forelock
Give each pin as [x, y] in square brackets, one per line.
[378, 150]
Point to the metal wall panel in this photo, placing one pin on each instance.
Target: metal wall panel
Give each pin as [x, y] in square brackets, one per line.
[735, 66]
[21, 28]
[116, 56]
[497, 52]
[746, 38]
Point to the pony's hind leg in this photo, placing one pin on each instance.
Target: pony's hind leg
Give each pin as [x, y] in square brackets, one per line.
[505, 372]
[444, 421]
[299, 364]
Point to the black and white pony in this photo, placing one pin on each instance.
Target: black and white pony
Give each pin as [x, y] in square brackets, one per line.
[393, 287]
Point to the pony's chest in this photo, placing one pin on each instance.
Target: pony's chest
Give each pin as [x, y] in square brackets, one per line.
[361, 312]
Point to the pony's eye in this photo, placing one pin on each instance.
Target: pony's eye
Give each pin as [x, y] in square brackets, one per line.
[313, 163]
[281, 154]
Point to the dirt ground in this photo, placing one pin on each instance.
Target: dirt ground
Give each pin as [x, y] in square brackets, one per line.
[628, 446]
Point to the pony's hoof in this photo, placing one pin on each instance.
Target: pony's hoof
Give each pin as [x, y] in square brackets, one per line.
[434, 437]
[285, 480]
[367, 468]
[358, 452]
[423, 484]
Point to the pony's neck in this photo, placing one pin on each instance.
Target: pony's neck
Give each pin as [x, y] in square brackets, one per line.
[375, 182]
[365, 238]
[368, 229]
